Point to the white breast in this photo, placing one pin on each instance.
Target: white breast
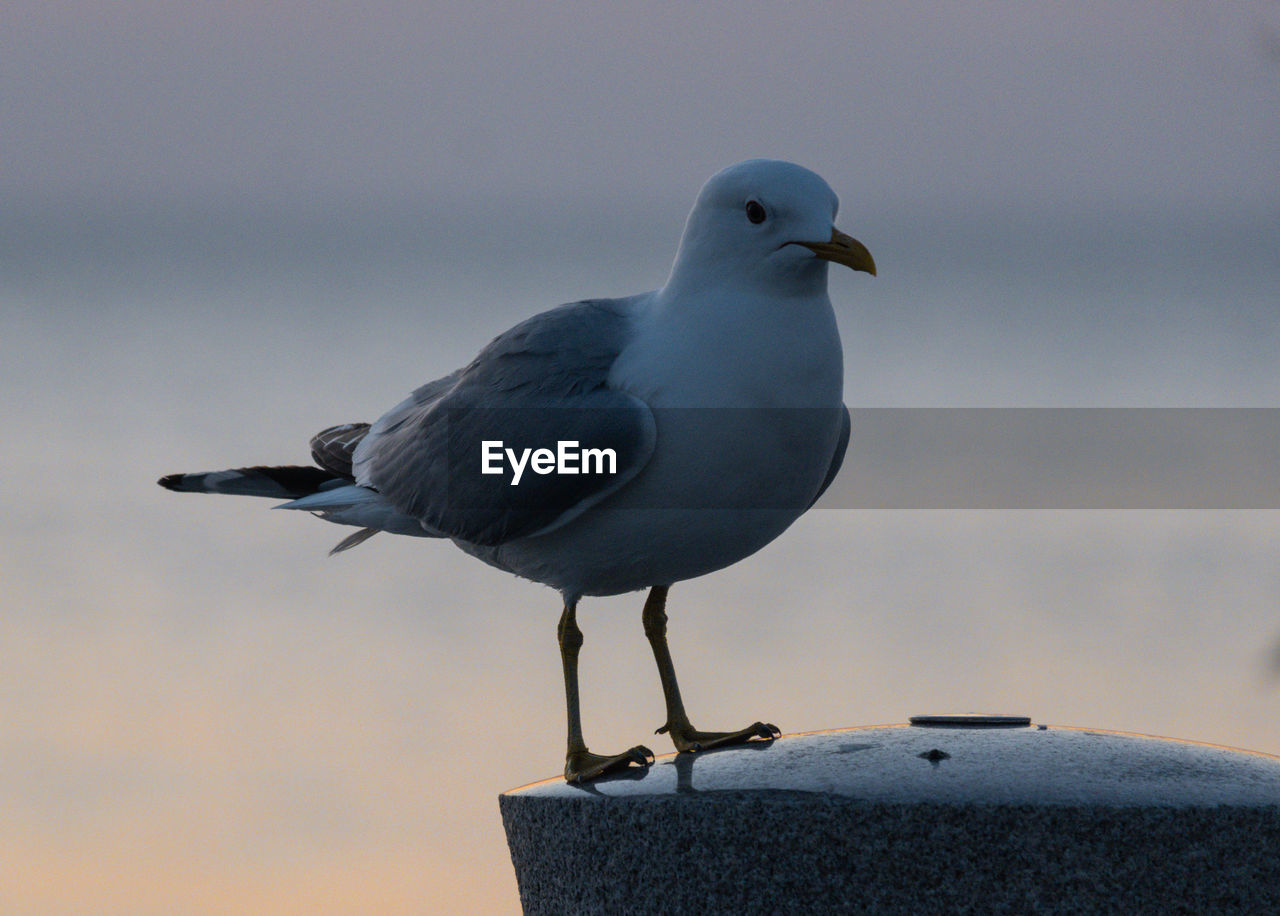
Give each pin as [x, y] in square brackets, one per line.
[735, 351]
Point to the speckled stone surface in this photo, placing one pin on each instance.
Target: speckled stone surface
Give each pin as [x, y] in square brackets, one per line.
[903, 819]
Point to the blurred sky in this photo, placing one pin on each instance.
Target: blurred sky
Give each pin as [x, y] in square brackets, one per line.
[225, 226]
[898, 103]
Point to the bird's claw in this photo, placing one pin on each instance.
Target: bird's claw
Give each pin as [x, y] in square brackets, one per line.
[641, 756]
[581, 766]
[689, 740]
[767, 730]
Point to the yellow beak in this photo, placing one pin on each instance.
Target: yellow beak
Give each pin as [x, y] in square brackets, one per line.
[843, 249]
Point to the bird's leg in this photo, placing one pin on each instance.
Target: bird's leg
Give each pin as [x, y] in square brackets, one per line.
[683, 734]
[579, 763]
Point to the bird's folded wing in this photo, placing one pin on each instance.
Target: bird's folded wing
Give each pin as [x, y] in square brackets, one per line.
[333, 448]
[539, 388]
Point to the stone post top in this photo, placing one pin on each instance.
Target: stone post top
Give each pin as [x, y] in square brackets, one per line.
[959, 760]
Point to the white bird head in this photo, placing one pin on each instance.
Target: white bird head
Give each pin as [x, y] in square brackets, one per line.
[764, 223]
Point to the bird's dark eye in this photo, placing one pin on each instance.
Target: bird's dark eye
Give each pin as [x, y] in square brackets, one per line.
[755, 212]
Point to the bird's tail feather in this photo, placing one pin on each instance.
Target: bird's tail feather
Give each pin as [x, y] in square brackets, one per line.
[354, 540]
[283, 482]
[321, 492]
[353, 504]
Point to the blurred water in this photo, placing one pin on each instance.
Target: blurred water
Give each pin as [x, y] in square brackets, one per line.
[203, 712]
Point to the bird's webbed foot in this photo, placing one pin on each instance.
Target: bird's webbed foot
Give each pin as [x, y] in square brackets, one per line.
[581, 766]
[689, 740]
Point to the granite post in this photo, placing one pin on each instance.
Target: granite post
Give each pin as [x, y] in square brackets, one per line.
[950, 814]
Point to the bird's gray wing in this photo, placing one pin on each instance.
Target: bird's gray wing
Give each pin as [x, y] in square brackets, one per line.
[543, 382]
[332, 448]
[837, 459]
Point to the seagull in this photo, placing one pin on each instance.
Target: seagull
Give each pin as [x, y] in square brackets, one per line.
[615, 445]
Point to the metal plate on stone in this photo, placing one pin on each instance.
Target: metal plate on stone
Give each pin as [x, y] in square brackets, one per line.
[971, 720]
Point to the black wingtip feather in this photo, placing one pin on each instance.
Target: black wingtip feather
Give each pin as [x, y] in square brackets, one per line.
[274, 482]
